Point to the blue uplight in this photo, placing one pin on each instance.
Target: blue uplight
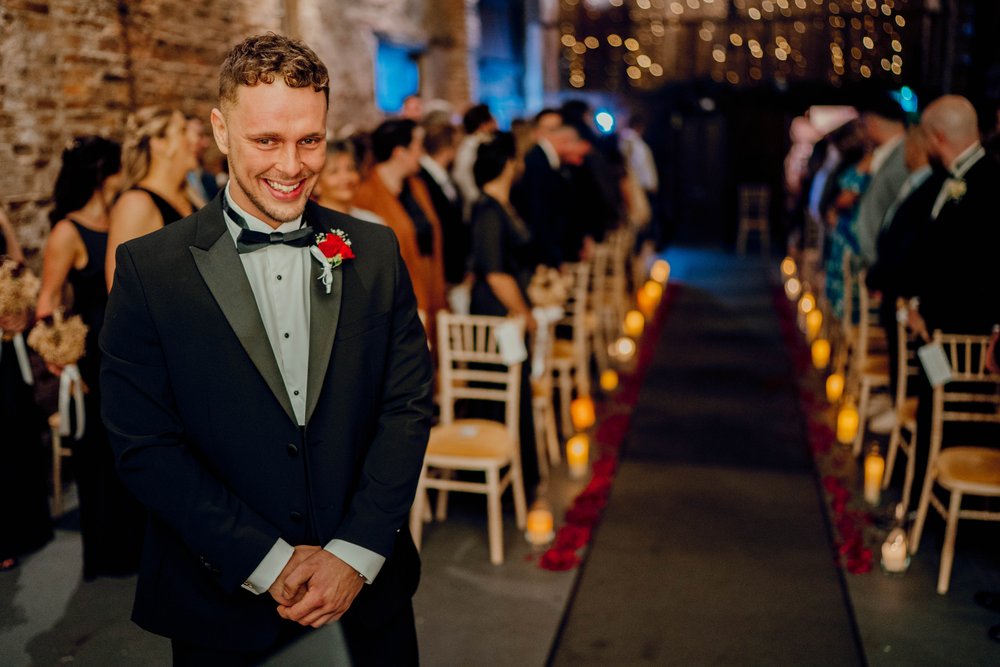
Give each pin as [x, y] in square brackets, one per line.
[605, 121]
[907, 99]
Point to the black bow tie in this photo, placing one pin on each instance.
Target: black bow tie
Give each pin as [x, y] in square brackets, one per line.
[250, 240]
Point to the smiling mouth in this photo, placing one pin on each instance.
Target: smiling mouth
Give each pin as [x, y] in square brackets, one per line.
[284, 189]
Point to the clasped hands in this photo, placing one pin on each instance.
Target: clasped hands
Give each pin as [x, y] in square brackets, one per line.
[315, 587]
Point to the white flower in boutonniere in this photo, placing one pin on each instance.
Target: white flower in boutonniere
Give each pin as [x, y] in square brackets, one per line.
[956, 189]
[330, 250]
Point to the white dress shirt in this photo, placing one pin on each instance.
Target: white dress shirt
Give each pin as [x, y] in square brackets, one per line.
[279, 277]
[440, 176]
[958, 168]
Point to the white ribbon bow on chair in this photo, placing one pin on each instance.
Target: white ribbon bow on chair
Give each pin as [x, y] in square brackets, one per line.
[71, 386]
[544, 316]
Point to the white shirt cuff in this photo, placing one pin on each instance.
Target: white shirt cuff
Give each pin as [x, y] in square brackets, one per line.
[267, 572]
[366, 562]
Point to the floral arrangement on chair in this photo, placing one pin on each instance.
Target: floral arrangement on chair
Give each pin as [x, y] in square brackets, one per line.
[548, 287]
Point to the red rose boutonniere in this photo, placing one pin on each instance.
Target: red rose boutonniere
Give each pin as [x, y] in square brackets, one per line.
[330, 251]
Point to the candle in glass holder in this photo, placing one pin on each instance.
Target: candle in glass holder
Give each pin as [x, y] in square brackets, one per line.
[895, 552]
[820, 353]
[807, 303]
[660, 272]
[634, 323]
[834, 387]
[653, 289]
[792, 289]
[578, 455]
[609, 380]
[581, 411]
[622, 350]
[847, 423]
[540, 526]
[814, 322]
[874, 470]
[645, 303]
[788, 267]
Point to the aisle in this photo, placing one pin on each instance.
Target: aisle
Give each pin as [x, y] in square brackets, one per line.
[713, 549]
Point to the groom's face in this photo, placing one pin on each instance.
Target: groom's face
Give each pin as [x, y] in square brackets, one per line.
[275, 139]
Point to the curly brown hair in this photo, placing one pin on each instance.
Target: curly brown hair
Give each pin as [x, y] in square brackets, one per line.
[258, 59]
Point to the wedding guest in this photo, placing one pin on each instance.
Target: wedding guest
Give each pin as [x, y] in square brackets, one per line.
[413, 108]
[502, 267]
[157, 155]
[278, 475]
[392, 193]
[111, 522]
[338, 183]
[842, 215]
[541, 196]
[25, 524]
[202, 184]
[479, 126]
[644, 183]
[439, 153]
[884, 127]
[954, 260]
[906, 219]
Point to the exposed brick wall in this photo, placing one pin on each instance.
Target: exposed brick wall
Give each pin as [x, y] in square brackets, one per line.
[72, 67]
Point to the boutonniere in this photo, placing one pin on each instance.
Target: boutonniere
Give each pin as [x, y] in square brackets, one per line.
[956, 189]
[330, 250]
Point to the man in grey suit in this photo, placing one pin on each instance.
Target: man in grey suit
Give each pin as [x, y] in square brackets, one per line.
[883, 123]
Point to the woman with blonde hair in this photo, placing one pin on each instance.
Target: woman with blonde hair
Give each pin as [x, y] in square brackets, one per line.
[157, 155]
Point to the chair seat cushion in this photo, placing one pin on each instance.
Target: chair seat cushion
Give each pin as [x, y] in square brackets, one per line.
[562, 348]
[473, 439]
[876, 366]
[974, 470]
[908, 413]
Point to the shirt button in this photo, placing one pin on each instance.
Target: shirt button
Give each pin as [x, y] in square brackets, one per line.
[296, 392]
[287, 335]
[292, 449]
[279, 277]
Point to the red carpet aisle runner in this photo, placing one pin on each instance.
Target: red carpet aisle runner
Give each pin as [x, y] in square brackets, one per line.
[849, 517]
[614, 414]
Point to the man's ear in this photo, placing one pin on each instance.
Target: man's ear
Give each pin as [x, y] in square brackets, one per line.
[220, 131]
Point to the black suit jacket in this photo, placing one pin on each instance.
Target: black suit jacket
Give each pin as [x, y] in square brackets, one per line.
[889, 273]
[205, 437]
[955, 265]
[455, 234]
[541, 198]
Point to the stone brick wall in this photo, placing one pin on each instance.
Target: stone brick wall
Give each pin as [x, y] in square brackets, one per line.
[72, 67]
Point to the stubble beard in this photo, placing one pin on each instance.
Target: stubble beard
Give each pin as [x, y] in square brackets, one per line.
[270, 211]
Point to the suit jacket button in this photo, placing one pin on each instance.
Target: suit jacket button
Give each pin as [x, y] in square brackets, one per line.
[295, 516]
[292, 449]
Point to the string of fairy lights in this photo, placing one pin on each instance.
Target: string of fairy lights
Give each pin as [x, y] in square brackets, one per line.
[643, 43]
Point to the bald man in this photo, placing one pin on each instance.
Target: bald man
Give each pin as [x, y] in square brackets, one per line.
[957, 257]
[954, 262]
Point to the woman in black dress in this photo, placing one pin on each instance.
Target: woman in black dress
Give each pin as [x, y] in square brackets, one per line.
[157, 155]
[501, 265]
[111, 521]
[25, 524]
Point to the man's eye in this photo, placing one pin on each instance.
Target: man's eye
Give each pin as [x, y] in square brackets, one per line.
[265, 142]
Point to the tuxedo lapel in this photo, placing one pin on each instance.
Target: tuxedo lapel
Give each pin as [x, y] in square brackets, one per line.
[219, 264]
[324, 313]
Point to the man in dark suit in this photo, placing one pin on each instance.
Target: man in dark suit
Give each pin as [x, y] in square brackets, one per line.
[953, 268]
[541, 196]
[956, 258]
[439, 153]
[267, 390]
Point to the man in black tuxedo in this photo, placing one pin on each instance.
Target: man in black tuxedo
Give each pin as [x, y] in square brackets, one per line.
[439, 153]
[542, 195]
[955, 260]
[267, 390]
[953, 269]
